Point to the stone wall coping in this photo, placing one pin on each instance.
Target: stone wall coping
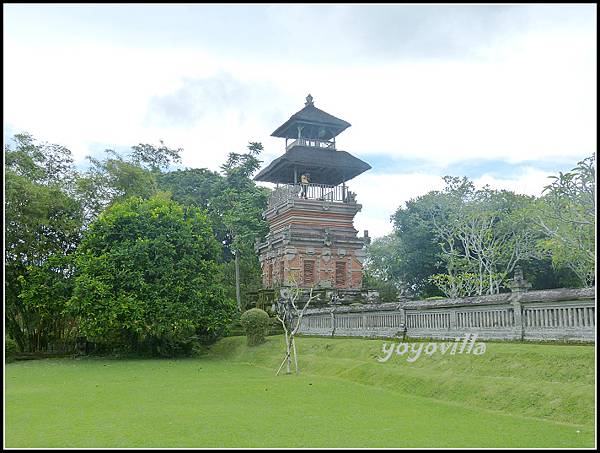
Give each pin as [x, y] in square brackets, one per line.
[387, 306]
[548, 295]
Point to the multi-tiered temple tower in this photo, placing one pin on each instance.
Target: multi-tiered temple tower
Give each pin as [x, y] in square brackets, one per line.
[312, 240]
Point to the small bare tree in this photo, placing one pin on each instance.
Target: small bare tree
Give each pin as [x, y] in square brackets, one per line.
[291, 317]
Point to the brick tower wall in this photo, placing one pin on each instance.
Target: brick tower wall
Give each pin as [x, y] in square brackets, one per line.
[314, 244]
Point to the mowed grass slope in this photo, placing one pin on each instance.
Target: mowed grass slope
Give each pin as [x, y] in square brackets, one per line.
[554, 382]
[342, 398]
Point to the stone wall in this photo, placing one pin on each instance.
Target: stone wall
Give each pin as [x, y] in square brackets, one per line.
[557, 315]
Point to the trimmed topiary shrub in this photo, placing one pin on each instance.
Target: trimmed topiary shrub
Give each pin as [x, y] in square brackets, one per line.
[256, 324]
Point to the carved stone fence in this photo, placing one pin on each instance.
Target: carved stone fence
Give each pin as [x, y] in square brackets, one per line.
[558, 314]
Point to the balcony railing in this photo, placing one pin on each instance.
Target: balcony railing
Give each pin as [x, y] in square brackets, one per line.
[314, 143]
[319, 192]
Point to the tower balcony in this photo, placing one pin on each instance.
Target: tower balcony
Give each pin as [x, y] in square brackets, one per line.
[318, 192]
[311, 142]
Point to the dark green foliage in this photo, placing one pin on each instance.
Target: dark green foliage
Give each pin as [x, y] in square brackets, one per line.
[461, 231]
[256, 324]
[234, 205]
[192, 186]
[382, 267]
[542, 274]
[10, 346]
[566, 214]
[116, 177]
[147, 276]
[49, 205]
[418, 248]
[43, 222]
[45, 292]
[275, 327]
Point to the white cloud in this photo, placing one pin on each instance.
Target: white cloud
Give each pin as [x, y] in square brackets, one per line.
[531, 97]
[527, 93]
[382, 194]
[529, 181]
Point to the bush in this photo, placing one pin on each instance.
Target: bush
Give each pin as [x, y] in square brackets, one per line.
[256, 324]
[147, 276]
[275, 327]
[235, 329]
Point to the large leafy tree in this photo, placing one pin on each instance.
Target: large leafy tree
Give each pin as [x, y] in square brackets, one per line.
[463, 240]
[234, 204]
[45, 293]
[43, 221]
[147, 275]
[415, 251]
[382, 267]
[483, 235]
[192, 186]
[116, 177]
[566, 214]
[417, 245]
[239, 205]
[156, 159]
[240, 202]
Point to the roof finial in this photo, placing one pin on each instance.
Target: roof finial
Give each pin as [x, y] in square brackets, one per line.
[309, 100]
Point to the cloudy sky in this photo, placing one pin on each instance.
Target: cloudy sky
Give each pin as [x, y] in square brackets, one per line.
[505, 95]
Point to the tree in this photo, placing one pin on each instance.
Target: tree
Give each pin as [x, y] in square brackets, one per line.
[462, 240]
[382, 267]
[41, 163]
[484, 232]
[192, 186]
[234, 204]
[416, 247]
[290, 317]
[567, 216]
[155, 159]
[116, 177]
[45, 292]
[146, 275]
[43, 222]
[242, 203]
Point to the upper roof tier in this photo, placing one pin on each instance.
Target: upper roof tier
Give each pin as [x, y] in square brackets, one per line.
[313, 122]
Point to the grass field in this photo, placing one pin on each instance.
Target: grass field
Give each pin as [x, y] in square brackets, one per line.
[515, 395]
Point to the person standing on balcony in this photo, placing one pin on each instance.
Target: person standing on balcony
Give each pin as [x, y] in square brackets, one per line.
[304, 182]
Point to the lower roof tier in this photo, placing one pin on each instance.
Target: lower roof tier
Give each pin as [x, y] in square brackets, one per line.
[326, 166]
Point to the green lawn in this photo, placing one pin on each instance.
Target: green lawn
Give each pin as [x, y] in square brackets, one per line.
[514, 395]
